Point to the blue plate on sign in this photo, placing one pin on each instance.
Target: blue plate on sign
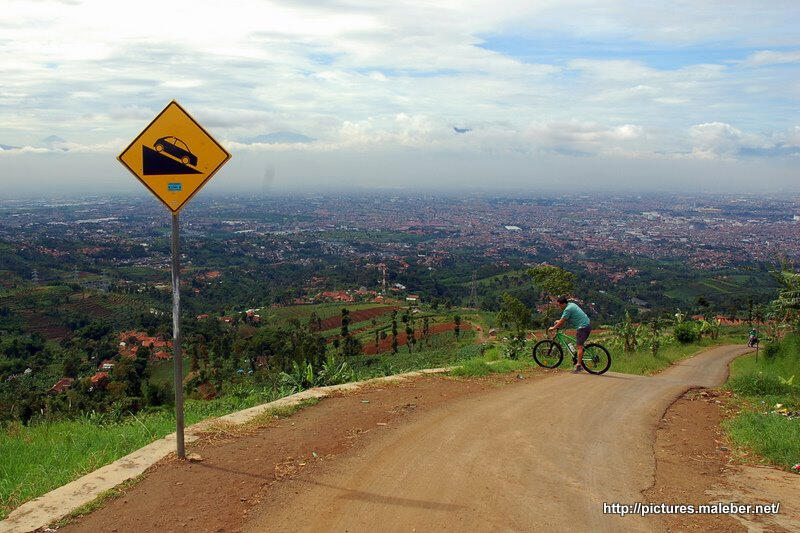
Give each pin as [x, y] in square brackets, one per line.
[174, 186]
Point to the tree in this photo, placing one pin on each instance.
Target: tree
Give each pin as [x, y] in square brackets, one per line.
[72, 364]
[351, 346]
[515, 313]
[426, 330]
[655, 341]
[314, 321]
[788, 301]
[628, 332]
[394, 331]
[345, 322]
[552, 280]
[95, 331]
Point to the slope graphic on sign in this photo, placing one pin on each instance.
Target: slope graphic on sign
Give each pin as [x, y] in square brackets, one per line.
[174, 157]
[158, 164]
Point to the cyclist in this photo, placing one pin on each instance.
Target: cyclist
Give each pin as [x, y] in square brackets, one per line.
[574, 317]
[753, 338]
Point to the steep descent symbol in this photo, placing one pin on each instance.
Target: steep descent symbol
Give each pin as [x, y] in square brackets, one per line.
[156, 162]
[174, 157]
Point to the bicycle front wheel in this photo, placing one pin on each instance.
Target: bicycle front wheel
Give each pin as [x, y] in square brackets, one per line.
[548, 353]
[596, 359]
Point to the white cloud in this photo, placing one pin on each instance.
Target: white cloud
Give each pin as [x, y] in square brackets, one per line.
[398, 76]
[718, 140]
[768, 57]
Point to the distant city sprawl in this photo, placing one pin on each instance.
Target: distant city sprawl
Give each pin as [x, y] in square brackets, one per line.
[639, 251]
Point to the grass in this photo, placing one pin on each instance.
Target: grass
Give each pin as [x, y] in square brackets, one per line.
[759, 384]
[442, 352]
[45, 456]
[643, 362]
[772, 436]
[479, 366]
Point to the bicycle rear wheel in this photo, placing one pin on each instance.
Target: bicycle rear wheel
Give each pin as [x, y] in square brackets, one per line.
[596, 359]
[548, 353]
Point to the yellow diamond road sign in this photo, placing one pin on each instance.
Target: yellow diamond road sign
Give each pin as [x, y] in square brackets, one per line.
[174, 157]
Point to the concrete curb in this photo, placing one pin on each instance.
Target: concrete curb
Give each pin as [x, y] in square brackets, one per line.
[56, 504]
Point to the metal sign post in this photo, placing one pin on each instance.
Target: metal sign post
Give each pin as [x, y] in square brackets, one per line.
[176, 335]
[174, 157]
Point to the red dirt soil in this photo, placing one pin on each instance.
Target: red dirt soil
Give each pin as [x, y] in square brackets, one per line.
[355, 316]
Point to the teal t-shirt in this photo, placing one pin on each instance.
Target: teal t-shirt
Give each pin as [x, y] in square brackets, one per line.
[575, 316]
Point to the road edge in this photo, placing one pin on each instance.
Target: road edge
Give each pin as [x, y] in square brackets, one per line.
[681, 395]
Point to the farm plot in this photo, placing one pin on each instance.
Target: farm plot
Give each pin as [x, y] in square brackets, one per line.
[324, 311]
[362, 315]
[385, 345]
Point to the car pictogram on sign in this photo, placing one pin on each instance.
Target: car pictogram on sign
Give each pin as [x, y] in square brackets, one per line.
[176, 148]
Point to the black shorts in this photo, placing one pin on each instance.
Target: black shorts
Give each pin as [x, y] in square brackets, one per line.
[581, 334]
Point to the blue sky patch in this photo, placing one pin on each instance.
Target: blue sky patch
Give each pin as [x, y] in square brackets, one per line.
[560, 49]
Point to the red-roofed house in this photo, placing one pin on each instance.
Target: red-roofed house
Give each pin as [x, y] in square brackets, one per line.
[336, 296]
[142, 338]
[99, 380]
[61, 385]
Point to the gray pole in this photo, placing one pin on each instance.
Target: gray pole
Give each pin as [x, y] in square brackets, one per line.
[176, 337]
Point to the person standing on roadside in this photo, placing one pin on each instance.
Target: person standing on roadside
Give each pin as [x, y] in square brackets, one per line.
[573, 316]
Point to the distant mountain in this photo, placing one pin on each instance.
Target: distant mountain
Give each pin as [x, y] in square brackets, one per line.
[54, 142]
[278, 137]
[7, 147]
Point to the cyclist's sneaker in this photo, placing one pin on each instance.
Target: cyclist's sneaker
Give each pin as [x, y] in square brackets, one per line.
[577, 369]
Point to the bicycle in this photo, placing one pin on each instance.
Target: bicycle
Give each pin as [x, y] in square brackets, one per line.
[549, 354]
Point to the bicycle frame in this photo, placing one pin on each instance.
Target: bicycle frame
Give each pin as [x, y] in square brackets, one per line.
[564, 340]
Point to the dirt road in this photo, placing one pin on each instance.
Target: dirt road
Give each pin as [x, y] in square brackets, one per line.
[436, 454]
[544, 456]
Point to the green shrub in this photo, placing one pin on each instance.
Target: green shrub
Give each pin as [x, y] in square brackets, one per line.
[771, 349]
[686, 333]
[758, 384]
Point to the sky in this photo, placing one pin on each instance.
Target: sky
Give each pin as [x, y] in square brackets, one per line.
[328, 94]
